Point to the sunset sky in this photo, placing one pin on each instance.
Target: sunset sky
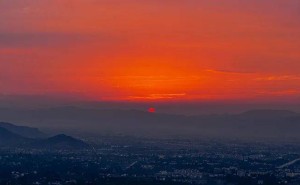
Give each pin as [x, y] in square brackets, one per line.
[151, 50]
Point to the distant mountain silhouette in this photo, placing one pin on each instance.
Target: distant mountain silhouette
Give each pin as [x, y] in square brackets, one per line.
[268, 114]
[279, 124]
[28, 132]
[60, 142]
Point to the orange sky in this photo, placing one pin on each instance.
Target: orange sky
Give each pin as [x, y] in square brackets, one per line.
[145, 50]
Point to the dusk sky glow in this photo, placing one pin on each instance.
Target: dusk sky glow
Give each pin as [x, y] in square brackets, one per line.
[151, 50]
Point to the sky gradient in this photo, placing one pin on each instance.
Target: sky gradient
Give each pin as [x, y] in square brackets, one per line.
[151, 50]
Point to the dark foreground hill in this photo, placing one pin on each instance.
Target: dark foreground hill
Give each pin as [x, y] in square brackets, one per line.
[61, 142]
[9, 139]
[24, 131]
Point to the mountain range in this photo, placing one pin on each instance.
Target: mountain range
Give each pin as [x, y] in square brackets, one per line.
[279, 124]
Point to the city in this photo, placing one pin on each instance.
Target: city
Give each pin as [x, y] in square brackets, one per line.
[129, 160]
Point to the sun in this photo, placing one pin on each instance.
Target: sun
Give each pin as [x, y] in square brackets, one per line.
[151, 110]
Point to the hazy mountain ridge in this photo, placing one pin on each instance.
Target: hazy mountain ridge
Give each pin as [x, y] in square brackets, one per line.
[253, 123]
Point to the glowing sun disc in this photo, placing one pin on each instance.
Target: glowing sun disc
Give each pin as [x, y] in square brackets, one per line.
[152, 110]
